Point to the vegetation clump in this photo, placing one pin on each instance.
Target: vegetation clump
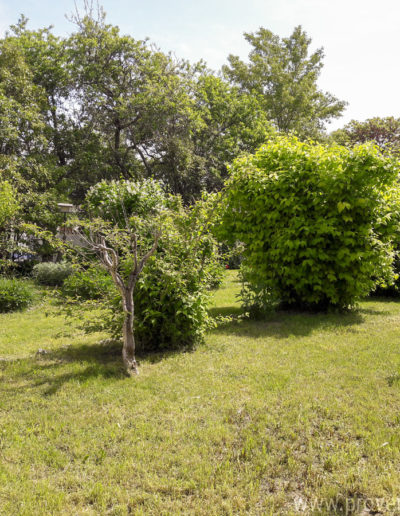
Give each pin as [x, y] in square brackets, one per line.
[161, 260]
[52, 274]
[15, 294]
[317, 222]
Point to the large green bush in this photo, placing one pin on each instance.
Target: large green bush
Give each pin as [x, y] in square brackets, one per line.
[317, 222]
[15, 294]
[51, 274]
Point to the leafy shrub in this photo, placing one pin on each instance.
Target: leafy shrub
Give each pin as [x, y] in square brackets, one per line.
[8, 203]
[317, 222]
[170, 306]
[51, 274]
[390, 289]
[139, 198]
[173, 289]
[15, 294]
[91, 283]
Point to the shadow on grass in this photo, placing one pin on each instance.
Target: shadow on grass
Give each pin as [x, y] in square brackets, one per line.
[77, 363]
[225, 311]
[286, 323]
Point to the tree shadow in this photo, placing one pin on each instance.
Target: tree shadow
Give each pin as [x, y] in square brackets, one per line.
[225, 311]
[286, 323]
[80, 363]
[50, 370]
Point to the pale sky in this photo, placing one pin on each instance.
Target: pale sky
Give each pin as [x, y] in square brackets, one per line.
[361, 38]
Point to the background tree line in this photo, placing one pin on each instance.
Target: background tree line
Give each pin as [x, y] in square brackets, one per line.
[101, 105]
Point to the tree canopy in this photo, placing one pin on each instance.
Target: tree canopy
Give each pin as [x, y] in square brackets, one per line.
[99, 105]
[384, 132]
[283, 74]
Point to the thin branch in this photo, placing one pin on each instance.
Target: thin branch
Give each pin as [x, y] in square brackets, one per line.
[149, 253]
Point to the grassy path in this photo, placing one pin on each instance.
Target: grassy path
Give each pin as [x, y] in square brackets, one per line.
[299, 414]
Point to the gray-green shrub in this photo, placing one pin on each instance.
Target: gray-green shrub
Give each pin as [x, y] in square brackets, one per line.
[52, 274]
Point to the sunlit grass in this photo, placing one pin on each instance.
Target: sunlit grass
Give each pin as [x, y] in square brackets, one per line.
[262, 417]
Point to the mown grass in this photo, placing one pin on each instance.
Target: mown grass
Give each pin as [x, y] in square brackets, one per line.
[266, 417]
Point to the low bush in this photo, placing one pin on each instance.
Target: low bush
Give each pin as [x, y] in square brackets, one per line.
[52, 274]
[170, 307]
[15, 294]
[317, 223]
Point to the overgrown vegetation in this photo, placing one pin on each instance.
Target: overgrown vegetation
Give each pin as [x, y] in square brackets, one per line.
[89, 283]
[164, 297]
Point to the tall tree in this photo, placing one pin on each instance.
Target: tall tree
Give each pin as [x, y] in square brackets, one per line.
[25, 160]
[103, 105]
[156, 116]
[283, 74]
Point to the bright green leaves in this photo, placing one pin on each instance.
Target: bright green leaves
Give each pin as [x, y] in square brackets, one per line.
[317, 222]
[343, 206]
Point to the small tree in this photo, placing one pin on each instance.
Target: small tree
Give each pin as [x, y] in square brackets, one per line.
[159, 262]
[108, 244]
[123, 235]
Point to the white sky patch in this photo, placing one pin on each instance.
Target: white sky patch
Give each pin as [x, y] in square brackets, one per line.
[5, 19]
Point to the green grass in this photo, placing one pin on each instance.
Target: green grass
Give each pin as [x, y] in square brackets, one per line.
[264, 417]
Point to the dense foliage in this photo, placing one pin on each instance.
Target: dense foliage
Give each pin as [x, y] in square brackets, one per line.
[384, 132]
[316, 221]
[88, 283]
[15, 294]
[170, 297]
[99, 105]
[8, 209]
[8, 203]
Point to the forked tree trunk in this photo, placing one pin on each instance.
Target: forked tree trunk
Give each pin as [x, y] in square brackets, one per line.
[110, 259]
[128, 348]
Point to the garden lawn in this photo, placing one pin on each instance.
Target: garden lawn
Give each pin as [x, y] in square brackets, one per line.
[300, 412]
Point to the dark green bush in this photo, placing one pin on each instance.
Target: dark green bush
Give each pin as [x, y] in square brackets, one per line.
[15, 294]
[52, 274]
[91, 283]
[317, 223]
[170, 307]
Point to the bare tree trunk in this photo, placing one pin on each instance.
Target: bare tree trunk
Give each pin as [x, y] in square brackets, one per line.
[128, 348]
[110, 259]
